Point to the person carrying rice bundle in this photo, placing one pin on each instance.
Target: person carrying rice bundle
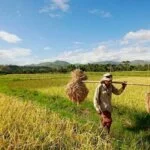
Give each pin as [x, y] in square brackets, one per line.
[102, 99]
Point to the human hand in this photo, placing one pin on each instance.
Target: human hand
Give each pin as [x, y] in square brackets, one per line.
[124, 84]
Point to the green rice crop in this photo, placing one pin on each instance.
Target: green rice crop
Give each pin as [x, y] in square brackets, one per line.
[46, 92]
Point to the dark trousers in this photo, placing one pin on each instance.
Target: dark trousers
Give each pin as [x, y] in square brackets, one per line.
[106, 120]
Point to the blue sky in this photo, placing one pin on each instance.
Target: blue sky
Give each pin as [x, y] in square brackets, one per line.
[77, 31]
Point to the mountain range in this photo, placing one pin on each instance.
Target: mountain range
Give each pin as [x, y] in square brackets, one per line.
[57, 64]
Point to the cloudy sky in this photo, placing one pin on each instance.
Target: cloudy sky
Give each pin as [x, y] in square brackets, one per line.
[77, 31]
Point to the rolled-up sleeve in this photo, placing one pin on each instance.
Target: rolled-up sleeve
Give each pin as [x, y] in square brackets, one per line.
[117, 91]
[96, 99]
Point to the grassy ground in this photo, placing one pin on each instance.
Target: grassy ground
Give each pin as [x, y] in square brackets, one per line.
[131, 123]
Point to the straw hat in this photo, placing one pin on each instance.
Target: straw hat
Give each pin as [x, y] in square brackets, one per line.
[107, 77]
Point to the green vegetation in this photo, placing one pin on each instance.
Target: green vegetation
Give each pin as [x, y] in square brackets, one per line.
[25, 126]
[44, 96]
[64, 67]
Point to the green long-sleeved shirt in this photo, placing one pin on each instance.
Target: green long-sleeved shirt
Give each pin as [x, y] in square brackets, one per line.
[103, 95]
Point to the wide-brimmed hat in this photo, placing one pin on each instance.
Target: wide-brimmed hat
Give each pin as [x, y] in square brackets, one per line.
[107, 77]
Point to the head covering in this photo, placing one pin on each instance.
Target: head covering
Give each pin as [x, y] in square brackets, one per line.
[107, 77]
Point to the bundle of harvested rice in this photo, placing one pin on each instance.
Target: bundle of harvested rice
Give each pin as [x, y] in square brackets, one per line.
[148, 102]
[76, 89]
[78, 74]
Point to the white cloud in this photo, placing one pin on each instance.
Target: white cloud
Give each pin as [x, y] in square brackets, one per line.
[135, 50]
[55, 8]
[134, 53]
[81, 56]
[103, 53]
[9, 37]
[18, 56]
[60, 4]
[94, 11]
[105, 14]
[101, 13]
[52, 15]
[47, 48]
[77, 43]
[138, 35]
[124, 42]
[14, 53]
[112, 50]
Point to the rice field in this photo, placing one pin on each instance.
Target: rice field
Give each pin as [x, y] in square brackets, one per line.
[35, 113]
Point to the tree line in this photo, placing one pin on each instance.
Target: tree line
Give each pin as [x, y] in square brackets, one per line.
[124, 66]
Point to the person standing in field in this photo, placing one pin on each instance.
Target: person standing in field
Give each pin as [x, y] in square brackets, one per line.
[102, 99]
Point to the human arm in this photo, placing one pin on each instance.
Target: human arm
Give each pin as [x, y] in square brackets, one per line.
[119, 91]
[96, 99]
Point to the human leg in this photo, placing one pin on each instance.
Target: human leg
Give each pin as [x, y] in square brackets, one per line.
[106, 120]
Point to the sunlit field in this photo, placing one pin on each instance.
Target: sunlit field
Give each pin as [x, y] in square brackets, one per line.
[35, 113]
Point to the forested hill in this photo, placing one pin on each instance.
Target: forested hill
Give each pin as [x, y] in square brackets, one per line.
[55, 64]
[61, 66]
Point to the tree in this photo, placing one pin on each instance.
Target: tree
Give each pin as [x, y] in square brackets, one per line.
[126, 65]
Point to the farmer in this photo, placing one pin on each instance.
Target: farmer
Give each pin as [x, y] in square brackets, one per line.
[102, 99]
